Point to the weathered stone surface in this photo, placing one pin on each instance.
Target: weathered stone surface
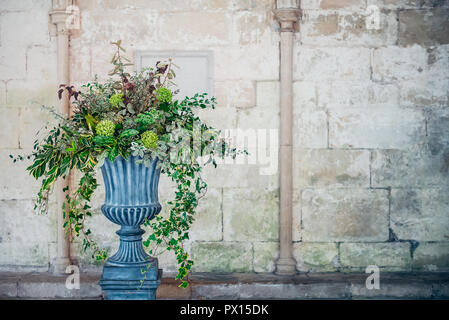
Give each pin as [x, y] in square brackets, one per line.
[423, 27]
[35, 124]
[336, 28]
[250, 214]
[216, 291]
[310, 129]
[396, 63]
[324, 167]
[222, 256]
[420, 214]
[305, 95]
[415, 167]
[188, 27]
[23, 186]
[36, 66]
[361, 94]
[9, 128]
[345, 215]
[33, 255]
[431, 256]
[424, 93]
[208, 219]
[235, 94]
[411, 290]
[340, 4]
[28, 33]
[32, 93]
[294, 291]
[322, 63]
[316, 257]
[384, 255]
[231, 62]
[267, 94]
[265, 255]
[385, 127]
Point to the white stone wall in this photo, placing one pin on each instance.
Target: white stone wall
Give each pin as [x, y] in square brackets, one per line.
[370, 128]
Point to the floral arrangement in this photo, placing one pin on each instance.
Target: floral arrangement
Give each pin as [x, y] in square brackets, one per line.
[131, 114]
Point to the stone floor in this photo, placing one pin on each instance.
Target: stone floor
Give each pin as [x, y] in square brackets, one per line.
[242, 286]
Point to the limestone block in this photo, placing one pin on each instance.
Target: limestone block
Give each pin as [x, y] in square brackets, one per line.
[334, 28]
[423, 93]
[265, 255]
[416, 167]
[324, 167]
[396, 63]
[223, 256]
[345, 215]
[253, 26]
[33, 255]
[24, 5]
[438, 130]
[195, 27]
[35, 124]
[310, 129]
[385, 127]
[408, 4]
[15, 181]
[383, 255]
[131, 26]
[235, 94]
[231, 62]
[267, 94]
[32, 93]
[357, 94]
[420, 214]
[241, 176]
[431, 256]
[423, 27]
[9, 128]
[40, 62]
[296, 221]
[250, 214]
[342, 4]
[208, 219]
[342, 63]
[2, 93]
[305, 95]
[29, 27]
[13, 62]
[315, 257]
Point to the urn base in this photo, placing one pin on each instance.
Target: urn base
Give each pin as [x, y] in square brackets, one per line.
[138, 282]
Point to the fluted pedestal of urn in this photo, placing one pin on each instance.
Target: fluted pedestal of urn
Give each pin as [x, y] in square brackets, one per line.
[131, 197]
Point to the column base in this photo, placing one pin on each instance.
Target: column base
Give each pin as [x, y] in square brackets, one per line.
[59, 265]
[131, 282]
[286, 266]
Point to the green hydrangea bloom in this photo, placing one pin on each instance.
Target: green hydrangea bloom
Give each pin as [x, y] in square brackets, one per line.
[164, 95]
[105, 128]
[115, 99]
[149, 139]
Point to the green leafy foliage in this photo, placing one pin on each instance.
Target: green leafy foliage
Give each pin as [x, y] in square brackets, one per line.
[131, 114]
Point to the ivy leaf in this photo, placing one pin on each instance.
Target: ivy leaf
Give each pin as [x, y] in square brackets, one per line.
[113, 153]
[103, 140]
[128, 133]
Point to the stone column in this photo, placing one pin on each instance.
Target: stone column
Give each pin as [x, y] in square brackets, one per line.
[287, 13]
[58, 17]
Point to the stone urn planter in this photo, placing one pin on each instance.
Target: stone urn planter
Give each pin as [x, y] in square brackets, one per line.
[131, 197]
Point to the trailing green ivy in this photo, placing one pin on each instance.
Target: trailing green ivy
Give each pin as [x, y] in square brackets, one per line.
[131, 114]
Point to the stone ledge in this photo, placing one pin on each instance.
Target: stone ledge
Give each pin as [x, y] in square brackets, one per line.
[423, 285]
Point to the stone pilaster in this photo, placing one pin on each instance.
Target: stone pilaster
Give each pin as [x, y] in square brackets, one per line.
[287, 14]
